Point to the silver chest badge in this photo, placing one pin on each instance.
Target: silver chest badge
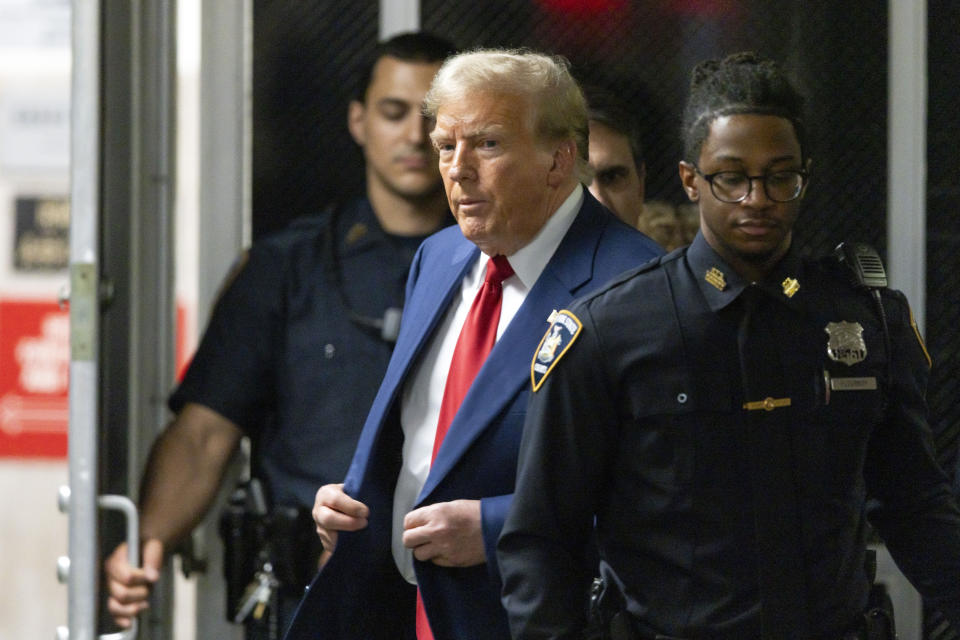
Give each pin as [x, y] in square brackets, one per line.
[846, 343]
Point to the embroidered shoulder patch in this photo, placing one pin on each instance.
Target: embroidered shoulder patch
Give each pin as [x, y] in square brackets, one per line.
[563, 331]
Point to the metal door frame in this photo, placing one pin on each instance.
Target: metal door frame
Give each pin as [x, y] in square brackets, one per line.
[121, 302]
[80, 568]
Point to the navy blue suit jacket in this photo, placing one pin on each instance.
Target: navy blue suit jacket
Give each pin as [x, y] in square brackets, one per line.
[360, 593]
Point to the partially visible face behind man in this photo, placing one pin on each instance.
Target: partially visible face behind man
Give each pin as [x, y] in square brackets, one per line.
[393, 132]
[616, 183]
[756, 232]
[502, 182]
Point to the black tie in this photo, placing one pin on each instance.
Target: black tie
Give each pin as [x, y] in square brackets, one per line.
[767, 416]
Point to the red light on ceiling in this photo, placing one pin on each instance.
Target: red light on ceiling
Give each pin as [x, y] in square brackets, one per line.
[582, 7]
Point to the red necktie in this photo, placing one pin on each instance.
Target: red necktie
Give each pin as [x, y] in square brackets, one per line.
[473, 345]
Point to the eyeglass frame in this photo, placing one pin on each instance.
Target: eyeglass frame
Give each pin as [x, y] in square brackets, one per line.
[804, 176]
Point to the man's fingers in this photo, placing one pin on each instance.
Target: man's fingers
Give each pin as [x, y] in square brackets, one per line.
[333, 510]
[120, 572]
[123, 614]
[152, 559]
[128, 585]
[417, 529]
[426, 552]
[446, 533]
[125, 603]
[325, 556]
[329, 541]
[418, 517]
[333, 497]
[333, 520]
[117, 566]
[128, 599]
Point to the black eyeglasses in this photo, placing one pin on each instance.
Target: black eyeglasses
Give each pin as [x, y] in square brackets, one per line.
[735, 186]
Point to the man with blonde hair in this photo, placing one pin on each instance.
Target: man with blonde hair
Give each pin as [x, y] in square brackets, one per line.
[412, 530]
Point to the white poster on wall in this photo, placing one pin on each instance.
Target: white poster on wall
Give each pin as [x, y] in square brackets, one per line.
[34, 24]
[34, 128]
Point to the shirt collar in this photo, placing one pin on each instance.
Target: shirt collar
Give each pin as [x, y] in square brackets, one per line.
[721, 285]
[530, 261]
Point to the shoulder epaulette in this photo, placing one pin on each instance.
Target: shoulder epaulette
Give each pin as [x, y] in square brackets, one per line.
[655, 263]
[650, 265]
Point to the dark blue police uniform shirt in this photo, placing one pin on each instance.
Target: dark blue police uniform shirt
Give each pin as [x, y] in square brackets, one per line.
[281, 358]
[639, 422]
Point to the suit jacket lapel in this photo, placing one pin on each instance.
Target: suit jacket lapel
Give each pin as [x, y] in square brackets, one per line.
[421, 315]
[507, 369]
[426, 309]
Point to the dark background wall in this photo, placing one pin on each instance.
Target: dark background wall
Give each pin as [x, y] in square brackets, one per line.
[943, 243]
[943, 222]
[305, 57]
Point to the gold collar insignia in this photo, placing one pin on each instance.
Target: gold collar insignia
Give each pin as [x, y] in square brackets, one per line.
[356, 232]
[790, 286]
[715, 277]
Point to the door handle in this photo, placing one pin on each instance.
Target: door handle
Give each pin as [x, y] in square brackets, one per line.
[126, 506]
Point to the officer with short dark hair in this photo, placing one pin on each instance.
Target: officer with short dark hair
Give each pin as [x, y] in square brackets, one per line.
[293, 356]
[730, 417]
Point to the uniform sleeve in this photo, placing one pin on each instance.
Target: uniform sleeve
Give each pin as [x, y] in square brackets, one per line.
[232, 370]
[543, 549]
[916, 513]
[493, 513]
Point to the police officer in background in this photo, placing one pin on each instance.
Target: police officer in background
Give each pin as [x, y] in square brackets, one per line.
[293, 356]
[731, 416]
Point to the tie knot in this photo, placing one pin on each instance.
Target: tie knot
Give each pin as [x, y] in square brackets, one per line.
[751, 296]
[498, 270]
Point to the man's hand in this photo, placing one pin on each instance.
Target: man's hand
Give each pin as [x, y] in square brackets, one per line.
[129, 587]
[446, 533]
[333, 511]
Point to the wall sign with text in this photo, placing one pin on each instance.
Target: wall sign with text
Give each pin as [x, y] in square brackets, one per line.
[42, 234]
[34, 379]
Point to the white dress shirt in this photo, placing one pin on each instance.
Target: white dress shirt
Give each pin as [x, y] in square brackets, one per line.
[423, 391]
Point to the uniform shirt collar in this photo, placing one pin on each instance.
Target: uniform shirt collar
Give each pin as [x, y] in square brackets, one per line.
[721, 285]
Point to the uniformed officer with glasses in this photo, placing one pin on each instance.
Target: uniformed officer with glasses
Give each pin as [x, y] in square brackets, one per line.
[730, 419]
[735, 186]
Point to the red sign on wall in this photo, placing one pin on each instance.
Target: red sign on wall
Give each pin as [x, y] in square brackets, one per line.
[34, 379]
[35, 376]
[35, 373]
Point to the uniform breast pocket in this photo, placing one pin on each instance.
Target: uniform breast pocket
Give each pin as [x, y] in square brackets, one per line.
[670, 415]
